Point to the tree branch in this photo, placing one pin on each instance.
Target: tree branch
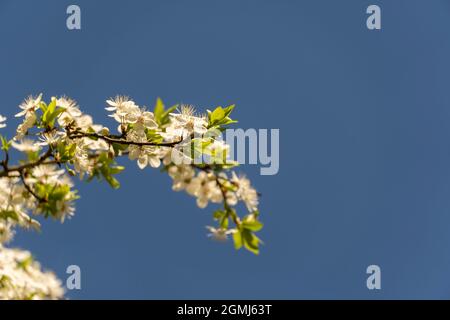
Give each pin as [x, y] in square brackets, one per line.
[28, 188]
[110, 139]
[42, 160]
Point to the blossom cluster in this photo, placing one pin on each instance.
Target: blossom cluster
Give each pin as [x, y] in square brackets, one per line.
[21, 277]
[57, 141]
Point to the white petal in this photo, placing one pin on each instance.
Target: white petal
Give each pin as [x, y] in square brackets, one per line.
[142, 162]
[20, 114]
[134, 152]
[155, 162]
[111, 103]
[202, 202]
[151, 124]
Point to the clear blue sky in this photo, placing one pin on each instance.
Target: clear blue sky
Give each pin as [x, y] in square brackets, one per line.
[365, 154]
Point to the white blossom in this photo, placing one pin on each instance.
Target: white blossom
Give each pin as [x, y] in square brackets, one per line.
[2, 120]
[142, 119]
[64, 209]
[127, 112]
[69, 105]
[50, 138]
[71, 111]
[246, 192]
[120, 104]
[26, 145]
[81, 161]
[27, 124]
[145, 155]
[123, 108]
[29, 105]
[21, 278]
[48, 174]
[185, 123]
[6, 231]
[177, 155]
[12, 200]
[204, 186]
[219, 234]
[181, 175]
[217, 151]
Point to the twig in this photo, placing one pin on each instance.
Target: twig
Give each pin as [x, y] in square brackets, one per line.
[28, 188]
[110, 139]
[30, 165]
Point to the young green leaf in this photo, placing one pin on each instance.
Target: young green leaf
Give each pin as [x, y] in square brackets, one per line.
[251, 241]
[5, 143]
[237, 239]
[251, 223]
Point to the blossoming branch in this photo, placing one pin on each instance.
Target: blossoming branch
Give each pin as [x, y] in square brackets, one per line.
[58, 141]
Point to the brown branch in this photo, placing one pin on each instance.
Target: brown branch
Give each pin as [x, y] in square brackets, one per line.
[42, 160]
[111, 139]
[5, 162]
[28, 188]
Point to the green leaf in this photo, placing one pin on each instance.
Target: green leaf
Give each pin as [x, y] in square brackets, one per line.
[51, 112]
[220, 116]
[228, 121]
[228, 110]
[59, 193]
[217, 115]
[117, 169]
[9, 214]
[113, 182]
[199, 146]
[66, 152]
[250, 223]
[237, 239]
[33, 156]
[4, 281]
[154, 136]
[224, 222]
[53, 116]
[162, 115]
[158, 111]
[170, 110]
[5, 143]
[43, 106]
[118, 148]
[251, 242]
[106, 168]
[219, 214]
[52, 105]
[25, 263]
[70, 171]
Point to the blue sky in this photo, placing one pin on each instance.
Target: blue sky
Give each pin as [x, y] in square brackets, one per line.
[364, 119]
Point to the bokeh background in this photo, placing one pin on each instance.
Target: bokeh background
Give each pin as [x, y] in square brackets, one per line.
[364, 119]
